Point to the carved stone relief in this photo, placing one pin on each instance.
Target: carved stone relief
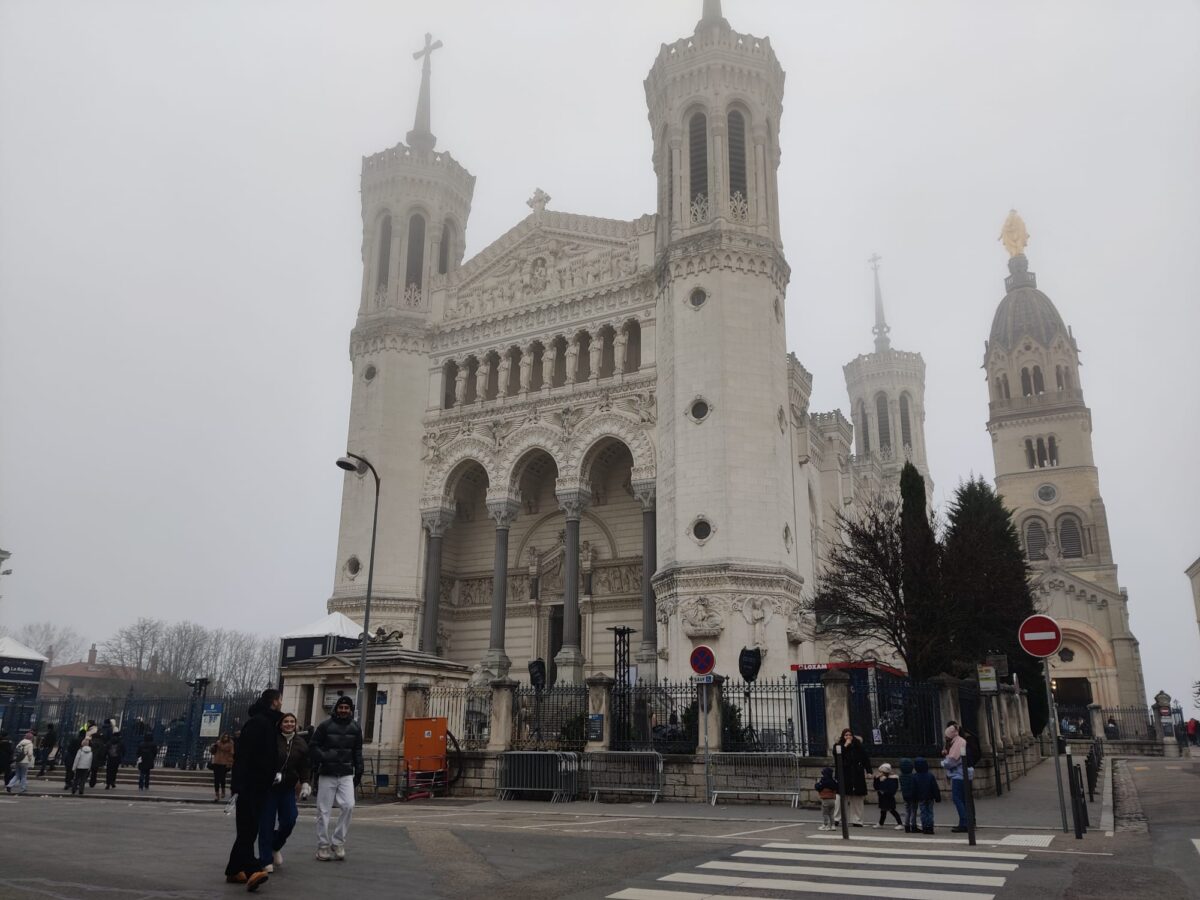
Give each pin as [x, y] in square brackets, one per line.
[702, 617]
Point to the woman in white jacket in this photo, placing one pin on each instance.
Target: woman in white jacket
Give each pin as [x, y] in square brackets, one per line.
[83, 767]
[22, 760]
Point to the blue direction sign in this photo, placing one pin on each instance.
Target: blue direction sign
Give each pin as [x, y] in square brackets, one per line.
[703, 659]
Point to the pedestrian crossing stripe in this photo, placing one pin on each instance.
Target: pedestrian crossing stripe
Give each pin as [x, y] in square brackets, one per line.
[849, 859]
[918, 877]
[893, 851]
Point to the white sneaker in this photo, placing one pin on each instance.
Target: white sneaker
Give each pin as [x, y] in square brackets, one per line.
[323, 854]
[339, 852]
[876, 826]
[277, 858]
[268, 868]
[898, 828]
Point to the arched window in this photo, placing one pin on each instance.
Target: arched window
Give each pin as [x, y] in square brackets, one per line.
[514, 372]
[737, 163]
[698, 161]
[885, 425]
[1004, 384]
[1039, 384]
[1030, 459]
[449, 383]
[1035, 539]
[535, 369]
[608, 358]
[864, 429]
[583, 362]
[1026, 384]
[1041, 453]
[1070, 537]
[491, 388]
[469, 387]
[415, 270]
[446, 250]
[905, 422]
[1066, 378]
[1052, 450]
[633, 346]
[1058, 377]
[383, 253]
[558, 376]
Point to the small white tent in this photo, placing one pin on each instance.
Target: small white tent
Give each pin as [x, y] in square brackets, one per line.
[333, 625]
[11, 648]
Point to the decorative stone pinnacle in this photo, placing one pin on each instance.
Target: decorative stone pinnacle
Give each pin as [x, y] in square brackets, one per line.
[538, 201]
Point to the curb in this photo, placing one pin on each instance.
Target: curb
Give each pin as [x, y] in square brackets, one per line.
[1107, 823]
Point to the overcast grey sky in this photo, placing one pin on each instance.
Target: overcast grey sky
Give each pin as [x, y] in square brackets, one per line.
[180, 231]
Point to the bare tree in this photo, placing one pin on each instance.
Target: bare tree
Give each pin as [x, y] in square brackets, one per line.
[134, 645]
[59, 643]
[182, 649]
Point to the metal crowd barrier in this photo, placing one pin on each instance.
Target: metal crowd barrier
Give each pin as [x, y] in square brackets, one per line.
[757, 773]
[623, 772]
[539, 771]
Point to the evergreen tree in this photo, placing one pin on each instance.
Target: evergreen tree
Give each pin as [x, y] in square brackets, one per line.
[930, 639]
[987, 589]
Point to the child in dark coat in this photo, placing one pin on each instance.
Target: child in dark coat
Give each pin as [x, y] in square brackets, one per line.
[886, 785]
[926, 792]
[908, 791]
[827, 789]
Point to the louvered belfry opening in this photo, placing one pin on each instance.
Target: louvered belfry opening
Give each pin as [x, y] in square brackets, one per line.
[885, 425]
[415, 270]
[698, 157]
[383, 253]
[737, 155]
[905, 422]
[445, 249]
[1035, 539]
[1070, 537]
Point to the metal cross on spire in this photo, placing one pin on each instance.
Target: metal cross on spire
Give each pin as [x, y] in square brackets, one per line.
[881, 329]
[421, 138]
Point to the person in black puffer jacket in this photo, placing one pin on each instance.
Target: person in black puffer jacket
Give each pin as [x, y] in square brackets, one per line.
[336, 750]
[255, 771]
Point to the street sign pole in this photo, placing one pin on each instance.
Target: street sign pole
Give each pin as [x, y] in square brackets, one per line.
[1053, 718]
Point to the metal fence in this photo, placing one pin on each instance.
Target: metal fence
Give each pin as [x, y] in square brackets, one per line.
[655, 716]
[1129, 723]
[763, 717]
[755, 773]
[1073, 721]
[896, 717]
[624, 772]
[538, 772]
[467, 710]
[553, 718]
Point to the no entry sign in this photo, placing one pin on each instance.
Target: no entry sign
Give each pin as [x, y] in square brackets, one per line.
[1040, 636]
[703, 659]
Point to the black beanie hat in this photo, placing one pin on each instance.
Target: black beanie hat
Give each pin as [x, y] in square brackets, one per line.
[344, 700]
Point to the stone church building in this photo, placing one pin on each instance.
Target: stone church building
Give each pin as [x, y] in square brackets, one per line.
[596, 422]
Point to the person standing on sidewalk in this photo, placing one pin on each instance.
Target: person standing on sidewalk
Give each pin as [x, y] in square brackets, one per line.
[886, 785]
[294, 765]
[112, 760]
[926, 792]
[827, 789]
[855, 766]
[49, 745]
[147, 752]
[908, 790]
[68, 760]
[222, 762]
[954, 763]
[337, 757]
[83, 766]
[22, 759]
[255, 771]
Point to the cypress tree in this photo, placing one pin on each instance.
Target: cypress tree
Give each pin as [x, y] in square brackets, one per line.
[987, 588]
[930, 640]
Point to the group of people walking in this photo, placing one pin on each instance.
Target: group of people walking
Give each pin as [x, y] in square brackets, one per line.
[915, 784]
[273, 766]
[92, 750]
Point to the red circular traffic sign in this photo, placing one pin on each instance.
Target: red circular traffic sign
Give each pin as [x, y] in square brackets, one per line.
[703, 659]
[1040, 636]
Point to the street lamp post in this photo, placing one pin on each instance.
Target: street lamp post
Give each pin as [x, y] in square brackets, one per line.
[352, 462]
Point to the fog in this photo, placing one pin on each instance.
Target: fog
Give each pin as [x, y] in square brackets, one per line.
[180, 233]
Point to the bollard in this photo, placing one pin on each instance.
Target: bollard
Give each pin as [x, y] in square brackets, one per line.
[838, 771]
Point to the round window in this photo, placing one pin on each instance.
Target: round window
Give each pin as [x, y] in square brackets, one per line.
[697, 298]
[702, 530]
[1047, 493]
[370, 372]
[353, 566]
[699, 410]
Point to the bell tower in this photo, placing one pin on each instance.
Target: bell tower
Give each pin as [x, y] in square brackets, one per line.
[727, 520]
[415, 204]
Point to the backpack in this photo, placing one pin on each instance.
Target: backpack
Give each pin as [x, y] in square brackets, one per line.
[973, 754]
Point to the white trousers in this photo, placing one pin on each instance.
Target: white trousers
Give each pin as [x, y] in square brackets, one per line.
[329, 789]
[854, 810]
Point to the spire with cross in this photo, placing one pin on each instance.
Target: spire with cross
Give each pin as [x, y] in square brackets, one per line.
[421, 138]
[881, 329]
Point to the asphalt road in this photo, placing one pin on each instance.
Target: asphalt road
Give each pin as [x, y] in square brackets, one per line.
[91, 849]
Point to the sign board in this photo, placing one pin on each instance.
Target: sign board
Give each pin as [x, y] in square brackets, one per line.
[210, 720]
[381, 698]
[19, 678]
[595, 727]
[877, 736]
[999, 662]
[703, 660]
[988, 684]
[1040, 636]
[702, 679]
[334, 691]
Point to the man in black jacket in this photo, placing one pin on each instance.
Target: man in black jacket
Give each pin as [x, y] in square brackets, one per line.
[336, 750]
[255, 769]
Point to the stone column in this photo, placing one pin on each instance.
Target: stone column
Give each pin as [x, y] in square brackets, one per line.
[549, 355]
[500, 731]
[595, 349]
[837, 704]
[715, 698]
[435, 521]
[647, 655]
[570, 658]
[416, 700]
[600, 703]
[1096, 719]
[495, 660]
[947, 699]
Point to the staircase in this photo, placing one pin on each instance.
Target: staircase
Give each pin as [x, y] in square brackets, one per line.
[127, 775]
